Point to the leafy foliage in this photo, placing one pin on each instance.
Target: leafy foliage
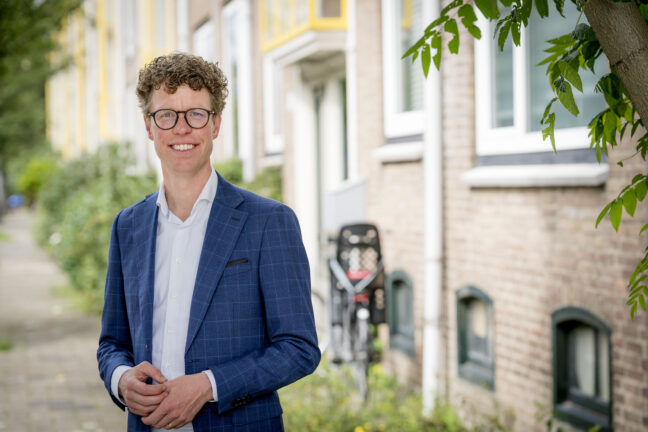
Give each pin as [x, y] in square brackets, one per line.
[36, 174]
[77, 208]
[27, 28]
[567, 55]
[327, 401]
[267, 183]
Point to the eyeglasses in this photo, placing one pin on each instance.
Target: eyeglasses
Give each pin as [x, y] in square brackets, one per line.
[166, 119]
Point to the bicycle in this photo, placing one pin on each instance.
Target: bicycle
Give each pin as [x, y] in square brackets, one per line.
[357, 299]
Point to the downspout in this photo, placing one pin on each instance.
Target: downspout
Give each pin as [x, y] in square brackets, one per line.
[433, 347]
[351, 92]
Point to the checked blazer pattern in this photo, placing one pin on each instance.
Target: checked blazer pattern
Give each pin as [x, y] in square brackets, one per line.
[251, 320]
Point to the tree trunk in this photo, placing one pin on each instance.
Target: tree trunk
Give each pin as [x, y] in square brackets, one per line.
[623, 34]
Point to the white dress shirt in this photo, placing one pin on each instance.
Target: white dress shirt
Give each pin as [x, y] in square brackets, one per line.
[177, 254]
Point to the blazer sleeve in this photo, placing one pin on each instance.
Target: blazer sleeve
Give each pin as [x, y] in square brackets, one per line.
[284, 279]
[115, 345]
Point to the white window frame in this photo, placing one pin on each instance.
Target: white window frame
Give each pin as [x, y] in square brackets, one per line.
[203, 40]
[245, 85]
[398, 124]
[514, 139]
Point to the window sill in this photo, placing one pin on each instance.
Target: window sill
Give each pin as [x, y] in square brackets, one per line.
[550, 175]
[477, 374]
[581, 417]
[405, 152]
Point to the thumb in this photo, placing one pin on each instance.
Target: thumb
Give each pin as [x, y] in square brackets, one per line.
[153, 372]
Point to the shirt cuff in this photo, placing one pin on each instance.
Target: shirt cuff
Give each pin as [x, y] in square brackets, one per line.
[212, 380]
[114, 381]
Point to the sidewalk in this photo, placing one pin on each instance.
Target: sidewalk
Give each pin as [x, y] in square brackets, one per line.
[49, 379]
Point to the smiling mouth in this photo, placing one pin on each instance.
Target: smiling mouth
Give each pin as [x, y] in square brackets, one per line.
[183, 147]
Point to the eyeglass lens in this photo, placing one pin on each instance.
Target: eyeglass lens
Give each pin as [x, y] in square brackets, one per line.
[166, 118]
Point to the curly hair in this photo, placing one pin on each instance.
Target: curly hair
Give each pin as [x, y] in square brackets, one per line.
[176, 69]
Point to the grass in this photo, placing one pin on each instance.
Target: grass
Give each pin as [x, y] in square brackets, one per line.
[5, 345]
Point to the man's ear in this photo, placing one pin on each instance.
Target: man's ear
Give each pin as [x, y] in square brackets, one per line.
[217, 125]
[147, 123]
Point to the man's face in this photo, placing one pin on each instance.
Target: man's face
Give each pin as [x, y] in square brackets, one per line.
[183, 151]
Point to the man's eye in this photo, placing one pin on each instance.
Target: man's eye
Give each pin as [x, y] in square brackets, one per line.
[197, 114]
[165, 115]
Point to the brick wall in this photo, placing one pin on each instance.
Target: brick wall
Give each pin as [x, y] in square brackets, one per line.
[395, 199]
[534, 251]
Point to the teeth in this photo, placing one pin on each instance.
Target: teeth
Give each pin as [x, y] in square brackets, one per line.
[183, 147]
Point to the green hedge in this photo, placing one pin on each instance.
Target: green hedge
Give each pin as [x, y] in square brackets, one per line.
[267, 182]
[327, 401]
[77, 206]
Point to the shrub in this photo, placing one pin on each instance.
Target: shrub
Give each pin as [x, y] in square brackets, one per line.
[38, 172]
[267, 182]
[78, 206]
[327, 401]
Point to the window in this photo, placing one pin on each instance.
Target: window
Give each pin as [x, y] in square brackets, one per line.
[400, 294]
[403, 22]
[237, 62]
[581, 368]
[475, 336]
[512, 92]
[203, 41]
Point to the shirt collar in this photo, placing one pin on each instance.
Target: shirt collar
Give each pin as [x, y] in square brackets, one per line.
[208, 194]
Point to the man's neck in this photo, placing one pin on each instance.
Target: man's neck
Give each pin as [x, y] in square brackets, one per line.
[183, 191]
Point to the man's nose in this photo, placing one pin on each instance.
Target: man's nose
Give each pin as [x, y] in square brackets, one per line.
[182, 126]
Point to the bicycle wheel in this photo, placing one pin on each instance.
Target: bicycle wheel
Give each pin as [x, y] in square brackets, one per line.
[361, 353]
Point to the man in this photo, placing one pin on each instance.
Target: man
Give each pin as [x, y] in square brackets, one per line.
[207, 305]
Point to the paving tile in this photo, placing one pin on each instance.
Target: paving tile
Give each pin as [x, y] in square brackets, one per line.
[49, 380]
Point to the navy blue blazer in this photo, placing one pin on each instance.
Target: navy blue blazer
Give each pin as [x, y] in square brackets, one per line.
[251, 321]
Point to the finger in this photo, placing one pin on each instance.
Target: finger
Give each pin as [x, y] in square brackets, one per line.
[146, 389]
[167, 420]
[154, 417]
[140, 410]
[146, 401]
[151, 371]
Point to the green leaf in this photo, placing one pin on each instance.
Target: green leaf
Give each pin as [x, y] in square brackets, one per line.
[515, 33]
[436, 44]
[542, 6]
[643, 228]
[615, 214]
[488, 8]
[503, 34]
[640, 190]
[560, 5]
[525, 11]
[570, 74]
[603, 213]
[636, 178]
[468, 18]
[642, 302]
[549, 130]
[425, 59]
[630, 201]
[567, 99]
[633, 310]
[584, 33]
[452, 28]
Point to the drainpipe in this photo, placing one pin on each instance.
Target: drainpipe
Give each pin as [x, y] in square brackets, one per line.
[433, 348]
[351, 93]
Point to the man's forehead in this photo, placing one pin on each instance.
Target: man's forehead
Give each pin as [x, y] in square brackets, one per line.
[182, 92]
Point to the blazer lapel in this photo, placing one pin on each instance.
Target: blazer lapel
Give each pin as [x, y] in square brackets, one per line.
[223, 229]
[145, 236]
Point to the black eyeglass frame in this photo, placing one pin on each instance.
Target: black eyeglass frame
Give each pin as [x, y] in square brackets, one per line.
[184, 113]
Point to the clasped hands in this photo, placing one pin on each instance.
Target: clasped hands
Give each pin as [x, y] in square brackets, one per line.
[171, 403]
